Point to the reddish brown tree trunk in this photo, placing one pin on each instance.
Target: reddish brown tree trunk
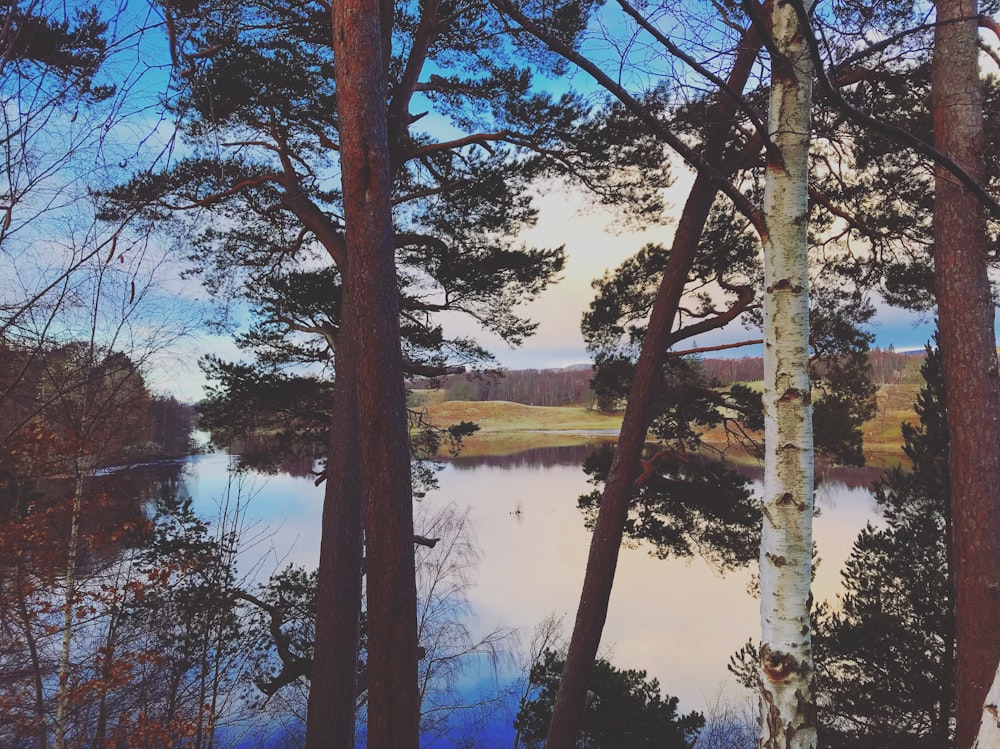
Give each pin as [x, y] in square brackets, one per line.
[968, 352]
[333, 682]
[393, 708]
[567, 716]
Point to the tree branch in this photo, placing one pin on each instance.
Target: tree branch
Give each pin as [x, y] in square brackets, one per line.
[292, 666]
[480, 139]
[743, 302]
[687, 153]
[399, 105]
[720, 347]
[736, 97]
[887, 130]
[416, 369]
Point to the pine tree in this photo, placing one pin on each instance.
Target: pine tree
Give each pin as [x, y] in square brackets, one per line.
[625, 709]
[886, 656]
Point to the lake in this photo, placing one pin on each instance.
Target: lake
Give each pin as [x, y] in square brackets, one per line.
[680, 620]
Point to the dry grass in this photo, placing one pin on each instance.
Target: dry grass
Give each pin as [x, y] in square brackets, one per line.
[506, 427]
[883, 434]
[504, 416]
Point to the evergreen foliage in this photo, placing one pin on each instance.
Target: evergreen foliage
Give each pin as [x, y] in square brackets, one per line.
[614, 328]
[255, 94]
[262, 81]
[885, 654]
[37, 41]
[686, 501]
[626, 710]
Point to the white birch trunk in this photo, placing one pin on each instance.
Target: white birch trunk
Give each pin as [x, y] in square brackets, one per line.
[989, 727]
[787, 706]
[69, 591]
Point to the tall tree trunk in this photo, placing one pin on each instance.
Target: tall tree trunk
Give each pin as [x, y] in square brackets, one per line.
[567, 716]
[968, 353]
[333, 680]
[359, 28]
[788, 711]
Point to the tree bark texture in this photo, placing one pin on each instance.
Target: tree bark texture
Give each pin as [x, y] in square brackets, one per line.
[787, 705]
[989, 726]
[362, 91]
[592, 612]
[332, 708]
[968, 352]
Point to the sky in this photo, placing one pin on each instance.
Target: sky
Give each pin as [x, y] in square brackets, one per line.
[594, 243]
[593, 246]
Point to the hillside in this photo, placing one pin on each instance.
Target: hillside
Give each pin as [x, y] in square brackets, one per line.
[570, 386]
[505, 416]
[509, 427]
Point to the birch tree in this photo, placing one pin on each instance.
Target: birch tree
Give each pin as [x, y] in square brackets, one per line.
[989, 727]
[787, 704]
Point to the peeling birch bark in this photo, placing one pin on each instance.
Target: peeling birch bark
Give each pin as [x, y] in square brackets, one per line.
[989, 727]
[787, 705]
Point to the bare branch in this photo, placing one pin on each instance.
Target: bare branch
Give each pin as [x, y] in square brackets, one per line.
[416, 369]
[887, 130]
[720, 347]
[703, 165]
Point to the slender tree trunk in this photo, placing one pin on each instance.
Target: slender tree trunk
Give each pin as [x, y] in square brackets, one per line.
[359, 28]
[36, 663]
[567, 716]
[108, 655]
[968, 354]
[788, 711]
[69, 592]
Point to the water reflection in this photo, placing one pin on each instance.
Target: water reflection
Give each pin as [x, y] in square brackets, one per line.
[535, 457]
[678, 619]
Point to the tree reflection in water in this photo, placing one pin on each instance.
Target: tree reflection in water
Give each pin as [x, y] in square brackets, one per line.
[159, 625]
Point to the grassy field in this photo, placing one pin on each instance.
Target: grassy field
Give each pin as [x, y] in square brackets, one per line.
[507, 427]
[883, 434]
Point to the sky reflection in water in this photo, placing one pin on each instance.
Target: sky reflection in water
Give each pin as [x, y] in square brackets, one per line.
[678, 619]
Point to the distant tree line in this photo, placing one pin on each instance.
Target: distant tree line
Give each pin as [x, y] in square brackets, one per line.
[60, 400]
[885, 367]
[532, 387]
[572, 386]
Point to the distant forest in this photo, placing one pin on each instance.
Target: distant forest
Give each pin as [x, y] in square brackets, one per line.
[72, 400]
[571, 386]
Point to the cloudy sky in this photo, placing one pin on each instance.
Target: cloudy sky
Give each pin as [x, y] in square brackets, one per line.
[594, 243]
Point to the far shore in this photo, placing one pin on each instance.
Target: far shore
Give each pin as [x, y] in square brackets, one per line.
[506, 427]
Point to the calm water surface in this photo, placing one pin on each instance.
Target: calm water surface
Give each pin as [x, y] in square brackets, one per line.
[678, 619]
